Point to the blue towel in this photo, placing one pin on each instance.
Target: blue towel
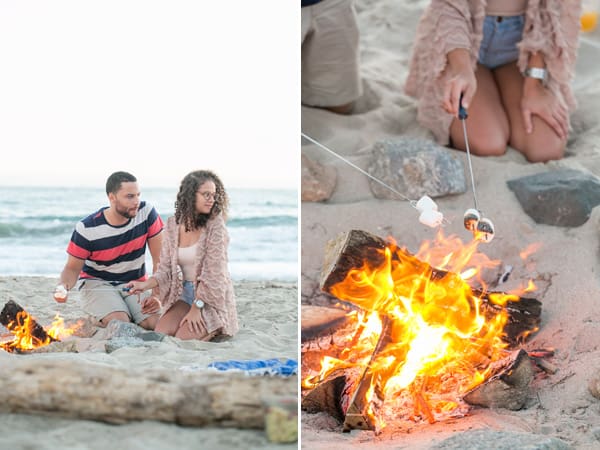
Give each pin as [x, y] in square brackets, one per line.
[283, 367]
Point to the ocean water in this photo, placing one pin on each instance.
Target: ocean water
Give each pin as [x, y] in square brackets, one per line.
[36, 224]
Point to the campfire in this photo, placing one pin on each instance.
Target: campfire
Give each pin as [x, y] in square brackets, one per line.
[426, 337]
[26, 333]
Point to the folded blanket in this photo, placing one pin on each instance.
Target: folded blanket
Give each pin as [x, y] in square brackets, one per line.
[275, 366]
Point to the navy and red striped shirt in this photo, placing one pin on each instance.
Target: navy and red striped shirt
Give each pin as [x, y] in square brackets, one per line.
[114, 253]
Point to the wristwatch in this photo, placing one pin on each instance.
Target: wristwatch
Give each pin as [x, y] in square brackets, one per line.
[199, 303]
[536, 72]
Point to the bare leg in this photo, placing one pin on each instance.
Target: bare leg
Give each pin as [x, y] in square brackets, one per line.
[117, 315]
[184, 333]
[149, 323]
[169, 321]
[487, 125]
[543, 144]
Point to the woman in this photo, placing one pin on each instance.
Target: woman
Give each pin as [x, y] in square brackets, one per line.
[512, 61]
[196, 291]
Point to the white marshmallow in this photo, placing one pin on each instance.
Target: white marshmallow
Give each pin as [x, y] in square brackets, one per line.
[431, 218]
[426, 203]
[60, 292]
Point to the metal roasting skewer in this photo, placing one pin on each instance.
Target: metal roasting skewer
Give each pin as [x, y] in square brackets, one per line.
[412, 202]
[481, 227]
[462, 115]
[429, 215]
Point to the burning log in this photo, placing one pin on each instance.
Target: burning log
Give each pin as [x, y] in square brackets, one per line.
[423, 337]
[508, 387]
[332, 394]
[351, 250]
[363, 412]
[15, 319]
[93, 391]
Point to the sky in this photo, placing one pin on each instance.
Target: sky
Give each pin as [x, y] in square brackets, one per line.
[156, 88]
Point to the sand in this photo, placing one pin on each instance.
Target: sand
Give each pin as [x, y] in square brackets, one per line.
[565, 268]
[268, 329]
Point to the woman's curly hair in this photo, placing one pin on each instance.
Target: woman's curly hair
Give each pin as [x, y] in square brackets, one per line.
[185, 205]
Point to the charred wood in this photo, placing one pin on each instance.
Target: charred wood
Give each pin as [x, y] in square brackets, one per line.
[508, 387]
[353, 249]
[12, 316]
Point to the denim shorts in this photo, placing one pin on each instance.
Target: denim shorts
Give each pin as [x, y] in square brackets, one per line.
[188, 295]
[500, 37]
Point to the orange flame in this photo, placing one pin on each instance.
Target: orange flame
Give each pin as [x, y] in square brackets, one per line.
[441, 338]
[22, 329]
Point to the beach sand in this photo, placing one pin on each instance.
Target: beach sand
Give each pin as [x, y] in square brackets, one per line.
[268, 329]
[565, 268]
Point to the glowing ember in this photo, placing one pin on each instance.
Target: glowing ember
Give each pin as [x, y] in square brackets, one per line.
[22, 328]
[423, 338]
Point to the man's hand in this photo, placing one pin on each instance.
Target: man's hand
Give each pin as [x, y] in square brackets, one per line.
[60, 294]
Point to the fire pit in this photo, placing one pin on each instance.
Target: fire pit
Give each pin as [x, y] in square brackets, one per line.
[26, 333]
[421, 342]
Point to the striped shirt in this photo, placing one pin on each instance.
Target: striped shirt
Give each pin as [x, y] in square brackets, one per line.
[114, 253]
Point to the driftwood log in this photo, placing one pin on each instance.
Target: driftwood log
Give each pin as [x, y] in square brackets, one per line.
[84, 390]
[12, 316]
[352, 249]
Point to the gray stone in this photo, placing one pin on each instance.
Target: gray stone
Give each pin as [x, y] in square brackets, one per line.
[415, 167]
[123, 341]
[151, 336]
[116, 328]
[500, 440]
[563, 198]
[318, 182]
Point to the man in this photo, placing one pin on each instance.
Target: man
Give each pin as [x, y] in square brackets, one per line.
[107, 250]
[330, 55]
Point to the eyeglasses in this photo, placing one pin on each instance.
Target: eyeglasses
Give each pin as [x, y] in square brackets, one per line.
[208, 195]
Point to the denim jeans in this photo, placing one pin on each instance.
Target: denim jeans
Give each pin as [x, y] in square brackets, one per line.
[188, 294]
[500, 37]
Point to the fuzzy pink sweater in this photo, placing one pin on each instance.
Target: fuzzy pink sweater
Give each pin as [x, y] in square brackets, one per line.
[551, 28]
[213, 283]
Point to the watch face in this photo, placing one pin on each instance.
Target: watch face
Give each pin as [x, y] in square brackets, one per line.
[199, 303]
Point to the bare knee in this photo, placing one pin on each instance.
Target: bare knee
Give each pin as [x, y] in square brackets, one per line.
[547, 150]
[491, 142]
[166, 326]
[117, 315]
[489, 147]
[149, 323]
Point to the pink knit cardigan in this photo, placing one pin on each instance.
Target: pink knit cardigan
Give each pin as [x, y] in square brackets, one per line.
[551, 28]
[213, 284]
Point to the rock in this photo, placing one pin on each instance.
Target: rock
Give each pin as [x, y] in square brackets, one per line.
[415, 167]
[500, 440]
[116, 328]
[123, 341]
[563, 197]
[318, 182]
[151, 336]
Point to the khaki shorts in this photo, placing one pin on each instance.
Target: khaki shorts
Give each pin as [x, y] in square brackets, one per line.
[330, 56]
[99, 298]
